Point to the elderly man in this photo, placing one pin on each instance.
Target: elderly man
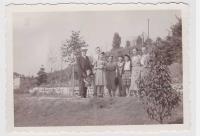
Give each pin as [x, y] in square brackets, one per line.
[84, 64]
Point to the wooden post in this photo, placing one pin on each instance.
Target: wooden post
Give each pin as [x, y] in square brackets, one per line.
[73, 84]
[148, 28]
[73, 78]
[142, 38]
[61, 70]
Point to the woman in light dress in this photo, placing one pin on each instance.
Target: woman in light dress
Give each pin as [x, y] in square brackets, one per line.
[136, 69]
[100, 75]
[145, 62]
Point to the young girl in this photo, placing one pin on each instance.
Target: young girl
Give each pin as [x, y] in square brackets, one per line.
[89, 82]
[126, 76]
[100, 76]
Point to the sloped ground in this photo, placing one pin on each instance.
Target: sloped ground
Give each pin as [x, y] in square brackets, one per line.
[52, 111]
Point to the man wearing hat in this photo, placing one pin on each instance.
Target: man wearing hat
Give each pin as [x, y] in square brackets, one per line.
[84, 64]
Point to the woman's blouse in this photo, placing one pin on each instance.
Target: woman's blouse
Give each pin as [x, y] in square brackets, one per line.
[127, 66]
[145, 60]
[120, 68]
[136, 61]
[100, 64]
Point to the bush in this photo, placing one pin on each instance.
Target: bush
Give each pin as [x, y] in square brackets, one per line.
[156, 92]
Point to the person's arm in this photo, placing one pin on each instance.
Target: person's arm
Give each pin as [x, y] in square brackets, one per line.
[139, 60]
[130, 65]
[106, 68]
[95, 65]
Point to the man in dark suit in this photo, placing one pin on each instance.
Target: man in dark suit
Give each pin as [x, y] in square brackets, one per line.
[84, 64]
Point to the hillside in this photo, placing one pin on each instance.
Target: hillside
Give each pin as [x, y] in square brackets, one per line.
[49, 111]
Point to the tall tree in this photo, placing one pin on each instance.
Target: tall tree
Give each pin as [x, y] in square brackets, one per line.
[128, 44]
[72, 46]
[171, 46]
[148, 41]
[42, 76]
[71, 49]
[116, 41]
[139, 41]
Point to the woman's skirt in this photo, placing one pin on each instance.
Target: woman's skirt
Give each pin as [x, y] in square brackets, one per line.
[110, 80]
[126, 78]
[135, 77]
[100, 77]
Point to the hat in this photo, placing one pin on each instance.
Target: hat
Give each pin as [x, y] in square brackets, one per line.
[84, 49]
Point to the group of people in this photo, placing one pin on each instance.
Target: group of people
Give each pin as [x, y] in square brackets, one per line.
[119, 77]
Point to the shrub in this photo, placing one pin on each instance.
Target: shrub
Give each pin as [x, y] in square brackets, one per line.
[156, 92]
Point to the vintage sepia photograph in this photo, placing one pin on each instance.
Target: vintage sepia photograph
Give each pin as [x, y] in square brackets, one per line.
[97, 68]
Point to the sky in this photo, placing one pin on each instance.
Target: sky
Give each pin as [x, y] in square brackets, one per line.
[37, 37]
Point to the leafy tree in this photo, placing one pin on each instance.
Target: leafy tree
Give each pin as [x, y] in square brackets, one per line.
[128, 44]
[158, 39]
[42, 77]
[148, 41]
[172, 45]
[116, 41]
[71, 49]
[72, 46]
[155, 89]
[139, 41]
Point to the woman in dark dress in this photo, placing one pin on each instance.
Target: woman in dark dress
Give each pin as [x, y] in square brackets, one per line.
[110, 76]
[119, 71]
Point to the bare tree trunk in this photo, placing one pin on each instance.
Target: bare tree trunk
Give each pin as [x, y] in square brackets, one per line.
[73, 84]
[161, 120]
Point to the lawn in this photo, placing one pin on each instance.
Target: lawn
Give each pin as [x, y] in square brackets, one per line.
[61, 111]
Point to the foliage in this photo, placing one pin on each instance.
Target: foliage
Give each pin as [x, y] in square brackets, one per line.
[139, 41]
[26, 83]
[73, 46]
[116, 41]
[62, 77]
[42, 77]
[128, 44]
[172, 46]
[71, 49]
[155, 89]
[148, 41]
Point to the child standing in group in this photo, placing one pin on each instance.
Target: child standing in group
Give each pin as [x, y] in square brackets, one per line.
[126, 76]
[89, 82]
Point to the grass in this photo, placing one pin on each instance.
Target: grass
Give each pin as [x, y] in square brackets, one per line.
[55, 111]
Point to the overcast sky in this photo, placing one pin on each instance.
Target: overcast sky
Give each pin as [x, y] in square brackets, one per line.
[39, 36]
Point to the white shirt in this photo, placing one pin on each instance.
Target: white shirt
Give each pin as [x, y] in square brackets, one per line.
[127, 65]
[145, 59]
[136, 60]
